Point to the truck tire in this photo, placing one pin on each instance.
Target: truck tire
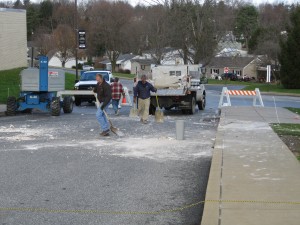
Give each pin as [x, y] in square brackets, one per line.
[11, 106]
[55, 106]
[152, 109]
[192, 110]
[68, 104]
[77, 102]
[202, 104]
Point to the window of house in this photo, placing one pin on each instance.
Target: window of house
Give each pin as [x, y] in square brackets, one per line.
[217, 71]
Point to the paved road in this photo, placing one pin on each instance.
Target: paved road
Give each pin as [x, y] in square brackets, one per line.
[61, 163]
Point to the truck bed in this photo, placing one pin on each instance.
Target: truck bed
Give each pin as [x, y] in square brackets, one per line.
[169, 92]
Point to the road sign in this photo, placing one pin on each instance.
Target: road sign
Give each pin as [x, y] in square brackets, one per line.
[226, 69]
[81, 39]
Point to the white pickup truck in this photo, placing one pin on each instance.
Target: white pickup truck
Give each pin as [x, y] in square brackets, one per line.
[88, 81]
[178, 86]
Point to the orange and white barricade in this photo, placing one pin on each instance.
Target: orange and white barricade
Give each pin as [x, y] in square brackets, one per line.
[226, 94]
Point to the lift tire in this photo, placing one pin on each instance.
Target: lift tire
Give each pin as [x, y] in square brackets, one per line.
[55, 106]
[202, 104]
[68, 104]
[11, 106]
[192, 110]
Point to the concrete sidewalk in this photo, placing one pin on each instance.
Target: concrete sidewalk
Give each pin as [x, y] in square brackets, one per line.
[254, 177]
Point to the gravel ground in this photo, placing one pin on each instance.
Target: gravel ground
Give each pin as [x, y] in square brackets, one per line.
[53, 165]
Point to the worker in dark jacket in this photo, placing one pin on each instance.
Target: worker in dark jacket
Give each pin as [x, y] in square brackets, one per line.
[103, 91]
[142, 91]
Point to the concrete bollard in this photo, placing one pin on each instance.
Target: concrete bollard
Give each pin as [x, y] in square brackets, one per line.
[180, 129]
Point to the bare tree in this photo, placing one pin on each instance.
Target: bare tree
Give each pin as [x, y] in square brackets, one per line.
[43, 39]
[64, 40]
[108, 21]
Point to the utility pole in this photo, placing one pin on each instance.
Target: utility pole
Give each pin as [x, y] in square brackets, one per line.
[76, 38]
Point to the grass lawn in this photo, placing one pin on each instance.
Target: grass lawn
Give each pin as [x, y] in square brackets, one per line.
[263, 87]
[294, 110]
[69, 81]
[286, 129]
[9, 84]
[289, 134]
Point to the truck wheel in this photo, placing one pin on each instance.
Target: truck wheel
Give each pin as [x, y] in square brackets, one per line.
[68, 104]
[11, 106]
[55, 106]
[192, 110]
[201, 104]
[152, 109]
[77, 102]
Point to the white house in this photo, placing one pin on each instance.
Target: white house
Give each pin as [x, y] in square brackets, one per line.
[55, 62]
[123, 62]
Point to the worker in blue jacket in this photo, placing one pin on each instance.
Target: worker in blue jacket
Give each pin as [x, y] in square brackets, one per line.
[142, 92]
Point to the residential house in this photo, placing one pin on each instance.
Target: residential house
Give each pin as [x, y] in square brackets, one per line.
[242, 66]
[123, 62]
[54, 61]
[169, 56]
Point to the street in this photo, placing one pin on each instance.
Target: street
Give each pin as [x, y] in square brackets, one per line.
[63, 170]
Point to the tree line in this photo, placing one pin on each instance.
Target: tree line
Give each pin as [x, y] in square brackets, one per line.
[192, 26]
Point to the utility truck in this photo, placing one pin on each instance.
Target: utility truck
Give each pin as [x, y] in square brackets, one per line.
[178, 86]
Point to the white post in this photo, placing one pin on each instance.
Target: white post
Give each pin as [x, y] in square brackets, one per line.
[258, 96]
[224, 92]
[268, 73]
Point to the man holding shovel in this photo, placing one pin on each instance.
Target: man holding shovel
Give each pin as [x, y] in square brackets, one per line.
[142, 91]
[104, 96]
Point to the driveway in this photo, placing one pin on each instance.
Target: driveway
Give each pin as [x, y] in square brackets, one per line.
[58, 170]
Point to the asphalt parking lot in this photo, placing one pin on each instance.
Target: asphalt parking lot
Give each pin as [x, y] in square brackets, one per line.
[58, 170]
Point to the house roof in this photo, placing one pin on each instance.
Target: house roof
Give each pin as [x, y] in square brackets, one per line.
[240, 62]
[121, 58]
[144, 61]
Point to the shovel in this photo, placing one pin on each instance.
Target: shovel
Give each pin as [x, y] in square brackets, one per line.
[133, 111]
[159, 115]
[112, 128]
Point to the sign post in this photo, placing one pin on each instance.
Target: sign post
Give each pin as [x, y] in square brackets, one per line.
[81, 39]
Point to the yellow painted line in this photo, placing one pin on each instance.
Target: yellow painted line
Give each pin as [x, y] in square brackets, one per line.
[95, 211]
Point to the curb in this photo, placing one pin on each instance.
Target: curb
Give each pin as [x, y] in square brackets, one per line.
[211, 212]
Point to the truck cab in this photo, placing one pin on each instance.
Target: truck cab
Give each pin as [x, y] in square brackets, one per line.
[88, 81]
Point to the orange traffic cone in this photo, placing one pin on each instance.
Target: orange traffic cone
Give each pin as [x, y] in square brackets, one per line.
[124, 100]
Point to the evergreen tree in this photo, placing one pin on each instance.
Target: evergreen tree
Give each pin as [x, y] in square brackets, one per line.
[290, 54]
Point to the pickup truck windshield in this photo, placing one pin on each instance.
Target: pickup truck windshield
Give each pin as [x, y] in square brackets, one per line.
[89, 76]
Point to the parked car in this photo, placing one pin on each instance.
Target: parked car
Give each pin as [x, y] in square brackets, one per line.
[87, 67]
[229, 76]
[244, 78]
[88, 82]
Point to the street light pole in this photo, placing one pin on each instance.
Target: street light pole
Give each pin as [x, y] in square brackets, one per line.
[76, 39]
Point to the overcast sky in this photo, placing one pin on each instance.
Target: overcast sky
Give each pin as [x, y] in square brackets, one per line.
[255, 2]
[155, 2]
